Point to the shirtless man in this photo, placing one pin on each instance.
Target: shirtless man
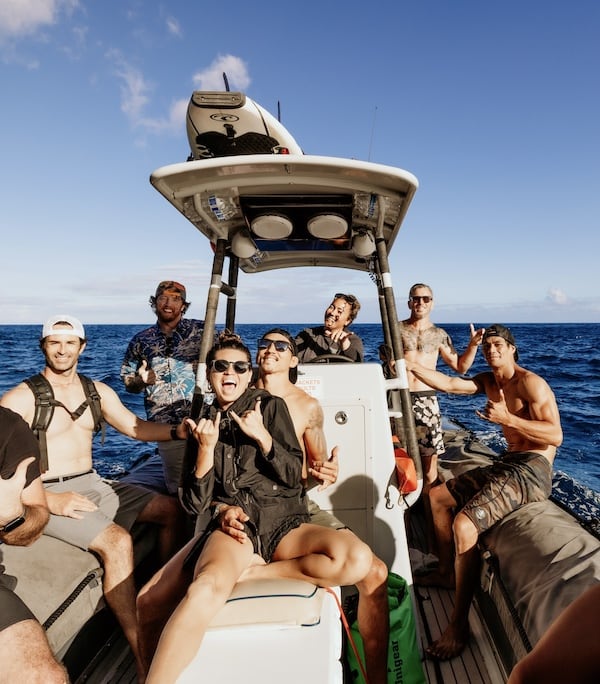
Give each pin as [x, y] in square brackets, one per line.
[277, 362]
[523, 404]
[423, 342]
[333, 337]
[25, 653]
[87, 511]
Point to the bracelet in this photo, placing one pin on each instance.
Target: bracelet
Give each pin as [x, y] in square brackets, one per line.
[217, 510]
[174, 432]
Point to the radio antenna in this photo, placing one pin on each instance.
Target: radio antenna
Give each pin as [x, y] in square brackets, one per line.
[226, 81]
[372, 132]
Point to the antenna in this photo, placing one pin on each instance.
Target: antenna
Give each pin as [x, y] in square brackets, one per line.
[279, 111]
[372, 131]
[226, 81]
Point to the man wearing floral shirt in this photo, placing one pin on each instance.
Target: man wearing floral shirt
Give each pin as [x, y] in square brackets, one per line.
[161, 361]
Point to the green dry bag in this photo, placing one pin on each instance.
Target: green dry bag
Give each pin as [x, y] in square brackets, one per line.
[404, 659]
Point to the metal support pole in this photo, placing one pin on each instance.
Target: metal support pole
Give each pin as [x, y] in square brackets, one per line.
[234, 263]
[210, 317]
[408, 418]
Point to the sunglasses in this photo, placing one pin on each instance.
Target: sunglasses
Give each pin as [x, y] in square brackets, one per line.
[416, 299]
[221, 365]
[348, 297]
[280, 345]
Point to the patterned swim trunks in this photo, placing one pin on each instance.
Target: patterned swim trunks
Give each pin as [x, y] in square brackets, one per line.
[428, 423]
[489, 493]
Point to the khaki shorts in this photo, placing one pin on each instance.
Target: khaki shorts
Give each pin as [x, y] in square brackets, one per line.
[323, 518]
[117, 503]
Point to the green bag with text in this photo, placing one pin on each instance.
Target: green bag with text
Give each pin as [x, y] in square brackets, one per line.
[404, 659]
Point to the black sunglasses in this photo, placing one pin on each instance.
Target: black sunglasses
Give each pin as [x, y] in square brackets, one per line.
[221, 365]
[348, 297]
[416, 299]
[280, 345]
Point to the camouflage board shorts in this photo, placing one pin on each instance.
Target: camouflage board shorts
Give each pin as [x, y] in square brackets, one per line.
[489, 493]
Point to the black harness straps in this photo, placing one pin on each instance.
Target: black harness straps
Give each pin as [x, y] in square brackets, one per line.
[45, 404]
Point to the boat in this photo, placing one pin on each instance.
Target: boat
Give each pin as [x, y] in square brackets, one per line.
[277, 209]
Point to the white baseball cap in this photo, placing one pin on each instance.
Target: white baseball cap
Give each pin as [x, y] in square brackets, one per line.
[75, 329]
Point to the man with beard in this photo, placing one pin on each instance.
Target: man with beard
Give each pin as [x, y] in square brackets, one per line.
[162, 361]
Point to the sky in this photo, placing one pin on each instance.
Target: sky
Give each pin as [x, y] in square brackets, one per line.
[494, 107]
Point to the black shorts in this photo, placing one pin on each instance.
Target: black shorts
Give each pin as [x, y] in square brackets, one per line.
[264, 545]
[12, 609]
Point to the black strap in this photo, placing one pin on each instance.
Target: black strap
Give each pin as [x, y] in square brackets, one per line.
[44, 409]
[45, 403]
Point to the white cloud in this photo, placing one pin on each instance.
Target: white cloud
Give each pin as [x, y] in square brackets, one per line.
[135, 96]
[173, 123]
[134, 88]
[212, 77]
[173, 26]
[557, 296]
[25, 17]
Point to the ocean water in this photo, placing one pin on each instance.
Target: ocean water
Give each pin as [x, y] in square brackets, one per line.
[566, 355]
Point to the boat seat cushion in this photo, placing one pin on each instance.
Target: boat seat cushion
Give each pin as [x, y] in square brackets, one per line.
[281, 631]
[546, 560]
[263, 602]
[60, 584]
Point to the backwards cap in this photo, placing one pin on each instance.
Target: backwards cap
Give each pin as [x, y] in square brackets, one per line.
[498, 330]
[170, 287]
[75, 329]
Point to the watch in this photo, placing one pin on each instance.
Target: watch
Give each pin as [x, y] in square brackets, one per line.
[13, 524]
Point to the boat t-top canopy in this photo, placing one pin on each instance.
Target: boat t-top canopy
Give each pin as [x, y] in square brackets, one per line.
[273, 211]
[280, 210]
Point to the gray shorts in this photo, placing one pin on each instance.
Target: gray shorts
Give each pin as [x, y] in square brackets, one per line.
[117, 503]
[323, 518]
[172, 454]
[12, 609]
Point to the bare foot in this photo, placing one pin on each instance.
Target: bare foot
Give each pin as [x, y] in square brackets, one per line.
[449, 645]
[435, 578]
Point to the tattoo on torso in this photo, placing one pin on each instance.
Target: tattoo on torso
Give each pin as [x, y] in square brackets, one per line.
[428, 341]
